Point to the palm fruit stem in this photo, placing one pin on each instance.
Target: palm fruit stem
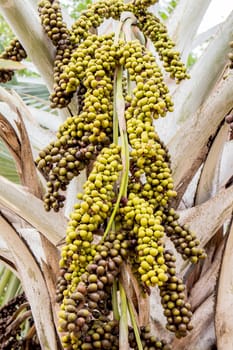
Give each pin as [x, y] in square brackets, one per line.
[120, 108]
[115, 309]
[135, 327]
[123, 336]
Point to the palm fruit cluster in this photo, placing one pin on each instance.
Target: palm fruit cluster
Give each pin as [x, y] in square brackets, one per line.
[61, 161]
[176, 309]
[140, 219]
[88, 301]
[8, 310]
[90, 214]
[59, 98]
[58, 32]
[12, 331]
[52, 21]
[14, 52]
[102, 334]
[66, 41]
[82, 137]
[94, 16]
[124, 211]
[156, 31]
[150, 96]
[149, 342]
[183, 238]
[142, 4]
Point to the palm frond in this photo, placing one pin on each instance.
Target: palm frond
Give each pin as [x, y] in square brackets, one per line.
[32, 92]
[7, 164]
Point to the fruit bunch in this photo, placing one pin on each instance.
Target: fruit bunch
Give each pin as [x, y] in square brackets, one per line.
[176, 309]
[88, 300]
[12, 325]
[125, 211]
[14, 52]
[157, 32]
[94, 16]
[56, 29]
[89, 216]
[148, 341]
[183, 238]
[52, 21]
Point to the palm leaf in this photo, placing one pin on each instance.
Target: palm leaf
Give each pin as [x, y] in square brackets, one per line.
[7, 165]
[32, 92]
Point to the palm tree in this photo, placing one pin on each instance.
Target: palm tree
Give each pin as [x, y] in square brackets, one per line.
[199, 142]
